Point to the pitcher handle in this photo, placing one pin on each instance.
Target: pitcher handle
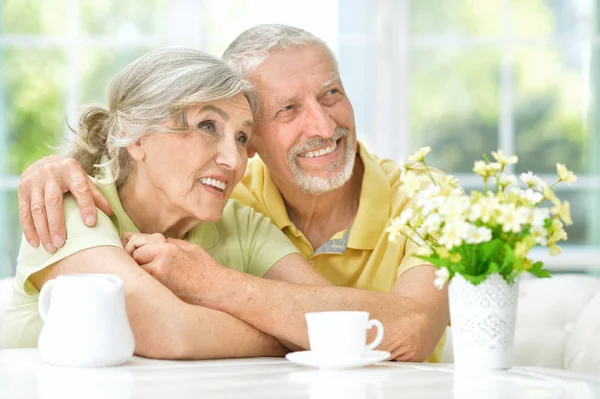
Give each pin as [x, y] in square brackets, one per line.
[44, 299]
[379, 337]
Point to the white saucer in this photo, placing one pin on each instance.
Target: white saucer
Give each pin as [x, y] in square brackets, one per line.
[308, 358]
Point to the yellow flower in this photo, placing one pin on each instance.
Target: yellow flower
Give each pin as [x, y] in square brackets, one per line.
[456, 258]
[563, 210]
[564, 174]
[549, 194]
[480, 168]
[424, 251]
[442, 252]
[410, 183]
[526, 263]
[503, 159]
[419, 156]
[521, 249]
[554, 250]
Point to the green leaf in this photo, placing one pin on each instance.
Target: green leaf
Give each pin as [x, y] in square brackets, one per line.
[487, 250]
[536, 270]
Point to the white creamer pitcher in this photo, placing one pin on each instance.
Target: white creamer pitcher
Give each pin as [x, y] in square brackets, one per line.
[85, 321]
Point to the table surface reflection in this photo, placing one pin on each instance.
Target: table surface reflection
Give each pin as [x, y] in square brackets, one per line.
[24, 375]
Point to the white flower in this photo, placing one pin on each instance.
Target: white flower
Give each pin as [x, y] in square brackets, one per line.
[532, 180]
[424, 251]
[531, 196]
[395, 229]
[454, 208]
[419, 156]
[477, 235]
[410, 183]
[453, 234]
[441, 277]
[540, 235]
[493, 167]
[539, 216]
[430, 205]
[507, 180]
[406, 216]
[503, 159]
[489, 208]
[512, 218]
[564, 174]
[432, 223]
[480, 168]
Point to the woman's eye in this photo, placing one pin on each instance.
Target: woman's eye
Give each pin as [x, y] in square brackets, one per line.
[209, 126]
[242, 139]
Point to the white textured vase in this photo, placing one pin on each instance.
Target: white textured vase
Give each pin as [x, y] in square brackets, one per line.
[483, 322]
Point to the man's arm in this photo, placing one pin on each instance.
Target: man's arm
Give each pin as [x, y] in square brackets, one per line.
[164, 326]
[415, 314]
[41, 192]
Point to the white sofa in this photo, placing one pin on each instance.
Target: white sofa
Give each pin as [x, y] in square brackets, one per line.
[558, 324]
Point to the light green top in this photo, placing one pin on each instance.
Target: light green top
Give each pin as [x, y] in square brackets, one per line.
[242, 240]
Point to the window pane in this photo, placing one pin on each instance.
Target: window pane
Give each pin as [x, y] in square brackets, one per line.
[457, 17]
[97, 67]
[585, 210]
[10, 232]
[33, 17]
[128, 19]
[454, 105]
[552, 18]
[34, 84]
[551, 106]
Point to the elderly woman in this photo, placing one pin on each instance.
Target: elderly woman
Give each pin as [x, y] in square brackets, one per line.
[167, 154]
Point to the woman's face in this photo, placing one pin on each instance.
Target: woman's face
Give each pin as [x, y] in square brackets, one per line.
[196, 171]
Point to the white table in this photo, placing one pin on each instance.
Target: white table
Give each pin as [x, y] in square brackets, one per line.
[24, 375]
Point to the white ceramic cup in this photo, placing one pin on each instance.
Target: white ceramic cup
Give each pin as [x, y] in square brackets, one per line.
[85, 321]
[341, 334]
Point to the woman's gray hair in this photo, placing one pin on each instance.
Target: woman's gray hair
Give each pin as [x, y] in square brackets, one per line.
[156, 87]
[252, 47]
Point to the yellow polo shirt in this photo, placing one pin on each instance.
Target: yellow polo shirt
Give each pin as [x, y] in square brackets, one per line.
[361, 256]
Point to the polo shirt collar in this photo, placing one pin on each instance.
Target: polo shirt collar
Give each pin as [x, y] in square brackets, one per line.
[373, 209]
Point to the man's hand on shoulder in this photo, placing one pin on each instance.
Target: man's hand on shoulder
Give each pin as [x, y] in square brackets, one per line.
[41, 192]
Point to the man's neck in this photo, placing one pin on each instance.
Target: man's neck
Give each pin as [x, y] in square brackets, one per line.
[320, 217]
[151, 212]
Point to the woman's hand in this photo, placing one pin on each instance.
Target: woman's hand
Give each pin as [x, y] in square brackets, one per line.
[41, 191]
[184, 268]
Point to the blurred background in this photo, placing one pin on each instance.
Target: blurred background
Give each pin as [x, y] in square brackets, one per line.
[462, 76]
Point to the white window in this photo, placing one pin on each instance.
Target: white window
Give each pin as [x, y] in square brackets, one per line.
[463, 76]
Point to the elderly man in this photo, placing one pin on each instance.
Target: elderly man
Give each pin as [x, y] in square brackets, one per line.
[320, 186]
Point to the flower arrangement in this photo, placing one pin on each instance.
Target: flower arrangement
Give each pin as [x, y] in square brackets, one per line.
[484, 232]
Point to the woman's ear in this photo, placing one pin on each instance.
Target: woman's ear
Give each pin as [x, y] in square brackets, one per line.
[136, 150]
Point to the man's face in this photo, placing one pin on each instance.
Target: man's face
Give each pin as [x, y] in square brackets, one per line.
[305, 130]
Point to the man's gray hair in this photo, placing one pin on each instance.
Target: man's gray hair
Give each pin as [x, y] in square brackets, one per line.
[252, 47]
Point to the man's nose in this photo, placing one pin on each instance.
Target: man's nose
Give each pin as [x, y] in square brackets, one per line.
[319, 122]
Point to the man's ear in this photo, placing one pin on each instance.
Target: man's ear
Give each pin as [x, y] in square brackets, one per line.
[251, 151]
[136, 150]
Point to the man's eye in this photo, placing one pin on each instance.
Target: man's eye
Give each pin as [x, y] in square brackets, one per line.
[209, 126]
[333, 91]
[287, 108]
